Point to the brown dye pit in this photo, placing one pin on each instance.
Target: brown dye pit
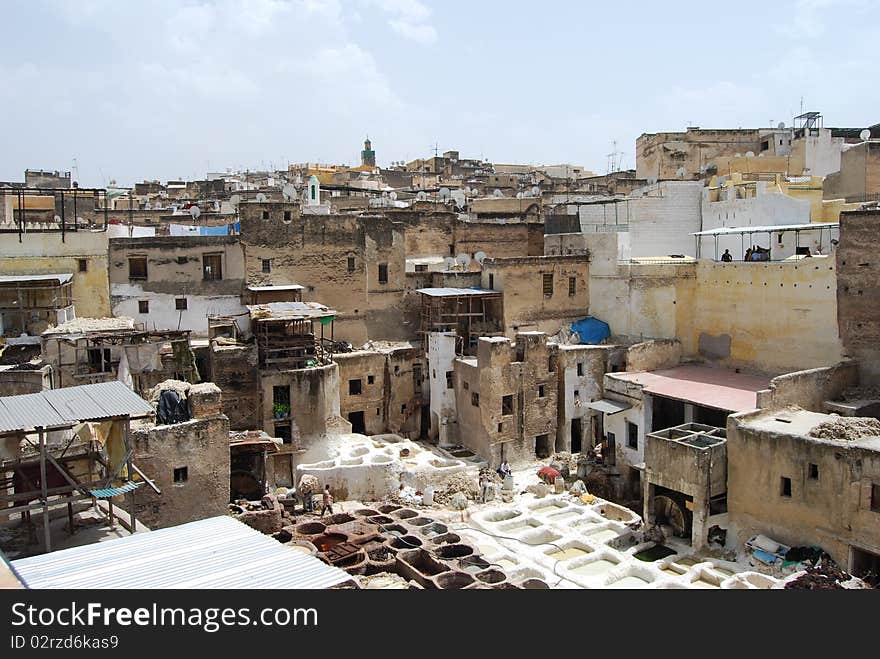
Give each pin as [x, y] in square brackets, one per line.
[406, 542]
[424, 563]
[328, 541]
[388, 508]
[380, 520]
[491, 576]
[434, 529]
[310, 528]
[535, 584]
[453, 580]
[446, 539]
[404, 513]
[366, 512]
[420, 521]
[454, 551]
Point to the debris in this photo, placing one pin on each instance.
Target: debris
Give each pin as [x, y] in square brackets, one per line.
[307, 484]
[458, 501]
[825, 576]
[847, 428]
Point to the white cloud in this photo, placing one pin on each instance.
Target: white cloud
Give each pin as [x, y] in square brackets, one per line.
[408, 18]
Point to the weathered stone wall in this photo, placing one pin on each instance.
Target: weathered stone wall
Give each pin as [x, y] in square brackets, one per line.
[653, 355]
[581, 370]
[859, 174]
[234, 370]
[25, 381]
[201, 445]
[811, 388]
[660, 155]
[858, 290]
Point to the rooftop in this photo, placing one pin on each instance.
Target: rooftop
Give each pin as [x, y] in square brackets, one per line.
[85, 325]
[219, 552]
[721, 389]
[799, 423]
[288, 287]
[290, 311]
[62, 278]
[455, 292]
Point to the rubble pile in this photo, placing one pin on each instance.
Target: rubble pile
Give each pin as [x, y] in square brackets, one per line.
[847, 428]
[458, 483]
[824, 576]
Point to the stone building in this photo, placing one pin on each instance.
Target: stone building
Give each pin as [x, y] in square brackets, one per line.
[506, 398]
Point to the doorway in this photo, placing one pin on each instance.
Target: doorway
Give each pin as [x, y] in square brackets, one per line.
[542, 446]
[576, 436]
[358, 425]
[866, 565]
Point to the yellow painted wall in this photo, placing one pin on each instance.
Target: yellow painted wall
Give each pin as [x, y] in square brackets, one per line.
[44, 253]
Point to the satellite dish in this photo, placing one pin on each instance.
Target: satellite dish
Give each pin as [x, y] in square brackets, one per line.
[444, 194]
[464, 260]
[449, 262]
[58, 219]
[519, 195]
[459, 198]
[195, 211]
[393, 196]
[422, 196]
[235, 200]
[260, 197]
[479, 257]
[681, 172]
[750, 154]
[781, 125]
[536, 191]
[384, 194]
[652, 180]
[737, 155]
[148, 206]
[865, 135]
[498, 194]
[289, 192]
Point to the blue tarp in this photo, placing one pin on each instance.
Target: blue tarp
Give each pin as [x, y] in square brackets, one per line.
[224, 230]
[591, 330]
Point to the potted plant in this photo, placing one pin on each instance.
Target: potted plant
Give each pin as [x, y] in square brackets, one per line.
[281, 410]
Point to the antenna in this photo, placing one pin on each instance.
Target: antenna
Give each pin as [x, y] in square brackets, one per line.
[613, 158]
[436, 148]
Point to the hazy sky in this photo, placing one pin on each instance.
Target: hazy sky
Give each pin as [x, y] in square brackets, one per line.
[167, 89]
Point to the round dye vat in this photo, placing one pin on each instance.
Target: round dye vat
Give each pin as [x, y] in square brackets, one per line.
[535, 584]
[327, 541]
[404, 513]
[453, 580]
[366, 512]
[454, 551]
[310, 528]
[406, 542]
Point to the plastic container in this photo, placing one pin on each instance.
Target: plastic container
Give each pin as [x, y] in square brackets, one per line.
[559, 485]
[428, 496]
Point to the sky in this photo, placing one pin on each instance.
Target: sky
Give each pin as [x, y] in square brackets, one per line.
[176, 88]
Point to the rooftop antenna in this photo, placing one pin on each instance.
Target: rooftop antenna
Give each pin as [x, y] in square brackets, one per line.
[436, 148]
[613, 158]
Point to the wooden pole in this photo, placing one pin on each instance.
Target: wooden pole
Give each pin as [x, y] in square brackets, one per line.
[130, 473]
[44, 486]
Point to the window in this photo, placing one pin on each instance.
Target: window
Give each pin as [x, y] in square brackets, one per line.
[543, 449]
[397, 369]
[551, 363]
[181, 475]
[475, 399]
[82, 265]
[143, 306]
[180, 304]
[580, 370]
[572, 286]
[875, 498]
[491, 282]
[267, 265]
[403, 408]
[577, 394]
[451, 250]
[137, 267]
[417, 378]
[265, 215]
[785, 488]
[632, 435]
[465, 385]
[421, 268]
[506, 405]
[500, 427]
[371, 379]
[814, 472]
[212, 267]
[99, 360]
[542, 390]
[287, 216]
[548, 285]
[354, 387]
[181, 260]
[765, 145]
[383, 273]
[449, 379]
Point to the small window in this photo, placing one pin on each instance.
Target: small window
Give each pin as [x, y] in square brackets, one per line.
[475, 399]
[143, 306]
[82, 265]
[506, 405]
[287, 216]
[500, 427]
[267, 265]
[491, 282]
[465, 385]
[371, 379]
[397, 369]
[383, 273]
[181, 475]
[137, 267]
[572, 286]
[265, 215]
[451, 250]
[212, 267]
[403, 408]
[551, 363]
[580, 370]
[632, 435]
[421, 267]
[875, 498]
[814, 472]
[765, 145]
[542, 390]
[350, 264]
[548, 285]
[785, 488]
[577, 394]
[181, 260]
[354, 387]
[449, 379]
[180, 304]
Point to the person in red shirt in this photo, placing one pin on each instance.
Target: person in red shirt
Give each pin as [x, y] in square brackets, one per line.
[328, 501]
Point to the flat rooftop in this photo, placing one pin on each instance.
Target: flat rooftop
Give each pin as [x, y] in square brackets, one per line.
[799, 423]
[718, 388]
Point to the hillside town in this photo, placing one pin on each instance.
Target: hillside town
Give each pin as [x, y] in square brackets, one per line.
[451, 373]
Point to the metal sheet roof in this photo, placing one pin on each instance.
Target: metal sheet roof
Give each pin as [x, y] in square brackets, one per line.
[814, 226]
[219, 552]
[289, 311]
[608, 406]
[454, 292]
[64, 407]
[62, 278]
[289, 287]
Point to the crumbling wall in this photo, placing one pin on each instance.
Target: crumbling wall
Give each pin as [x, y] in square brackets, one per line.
[811, 388]
[653, 355]
[201, 447]
[361, 367]
[234, 370]
[858, 290]
[17, 381]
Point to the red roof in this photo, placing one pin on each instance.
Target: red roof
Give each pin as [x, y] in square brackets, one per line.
[718, 388]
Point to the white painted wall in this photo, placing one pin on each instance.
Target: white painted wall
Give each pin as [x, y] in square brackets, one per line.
[822, 153]
[164, 316]
[441, 354]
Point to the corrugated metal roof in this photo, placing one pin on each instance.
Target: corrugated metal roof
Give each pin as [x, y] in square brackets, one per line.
[63, 407]
[453, 292]
[813, 226]
[219, 552]
[62, 278]
[289, 311]
[289, 287]
[608, 406]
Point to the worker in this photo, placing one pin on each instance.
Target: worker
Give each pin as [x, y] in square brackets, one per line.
[328, 501]
[597, 451]
[727, 257]
[484, 487]
[504, 469]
